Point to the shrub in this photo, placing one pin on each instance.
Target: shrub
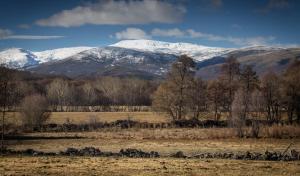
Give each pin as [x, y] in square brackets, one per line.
[34, 111]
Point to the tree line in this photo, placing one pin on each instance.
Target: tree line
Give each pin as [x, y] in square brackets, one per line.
[238, 94]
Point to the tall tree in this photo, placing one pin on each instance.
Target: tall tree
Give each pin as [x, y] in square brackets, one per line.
[216, 93]
[197, 97]
[248, 83]
[230, 71]
[270, 88]
[6, 79]
[291, 89]
[58, 92]
[171, 96]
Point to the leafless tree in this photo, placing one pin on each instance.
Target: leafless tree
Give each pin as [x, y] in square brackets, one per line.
[230, 71]
[111, 88]
[89, 93]
[197, 97]
[6, 78]
[216, 96]
[248, 83]
[34, 109]
[272, 96]
[291, 90]
[58, 92]
[171, 96]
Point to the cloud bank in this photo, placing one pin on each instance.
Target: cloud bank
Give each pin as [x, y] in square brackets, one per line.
[6, 34]
[132, 33]
[117, 13]
[136, 33]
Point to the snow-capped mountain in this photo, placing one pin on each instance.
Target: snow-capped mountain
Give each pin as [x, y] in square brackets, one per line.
[144, 58]
[19, 58]
[58, 54]
[197, 52]
[110, 61]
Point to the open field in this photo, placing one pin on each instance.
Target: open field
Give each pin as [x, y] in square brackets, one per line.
[130, 166]
[86, 117]
[149, 140]
[165, 141]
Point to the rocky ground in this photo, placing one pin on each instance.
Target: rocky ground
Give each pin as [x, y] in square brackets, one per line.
[291, 155]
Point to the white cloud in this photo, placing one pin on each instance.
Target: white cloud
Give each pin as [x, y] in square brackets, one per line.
[132, 33]
[135, 33]
[117, 12]
[6, 34]
[193, 34]
[33, 37]
[24, 26]
[168, 32]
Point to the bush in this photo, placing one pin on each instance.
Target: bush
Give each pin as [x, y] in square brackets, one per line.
[34, 110]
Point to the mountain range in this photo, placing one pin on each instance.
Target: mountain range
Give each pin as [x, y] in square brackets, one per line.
[143, 58]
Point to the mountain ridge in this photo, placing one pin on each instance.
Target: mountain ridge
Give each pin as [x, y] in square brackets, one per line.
[144, 57]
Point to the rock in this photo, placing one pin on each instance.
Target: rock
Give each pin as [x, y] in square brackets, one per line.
[90, 151]
[295, 155]
[154, 154]
[271, 156]
[29, 152]
[134, 153]
[71, 151]
[178, 154]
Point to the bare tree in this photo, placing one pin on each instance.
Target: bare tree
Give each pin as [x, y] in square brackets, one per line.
[197, 97]
[89, 93]
[111, 88]
[291, 89]
[171, 96]
[238, 112]
[216, 96]
[248, 83]
[34, 109]
[241, 105]
[257, 108]
[6, 79]
[272, 96]
[58, 92]
[230, 71]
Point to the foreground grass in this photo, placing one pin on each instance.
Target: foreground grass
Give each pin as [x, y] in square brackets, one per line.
[136, 166]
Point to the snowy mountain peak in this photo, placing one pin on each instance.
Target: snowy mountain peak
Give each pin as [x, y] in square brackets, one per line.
[17, 58]
[198, 52]
[20, 58]
[58, 54]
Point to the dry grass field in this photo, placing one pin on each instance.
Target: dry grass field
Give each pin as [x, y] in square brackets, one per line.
[164, 141]
[63, 166]
[85, 117]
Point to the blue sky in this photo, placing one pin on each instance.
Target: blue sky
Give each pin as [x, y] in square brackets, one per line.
[39, 25]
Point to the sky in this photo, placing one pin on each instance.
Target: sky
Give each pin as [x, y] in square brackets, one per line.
[48, 24]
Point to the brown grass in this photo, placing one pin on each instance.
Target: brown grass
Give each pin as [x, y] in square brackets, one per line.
[59, 166]
[85, 117]
[165, 141]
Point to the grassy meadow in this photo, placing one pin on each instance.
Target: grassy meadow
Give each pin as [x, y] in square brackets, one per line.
[166, 141]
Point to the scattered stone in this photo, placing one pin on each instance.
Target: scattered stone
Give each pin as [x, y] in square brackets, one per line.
[295, 155]
[135, 153]
[71, 151]
[178, 154]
